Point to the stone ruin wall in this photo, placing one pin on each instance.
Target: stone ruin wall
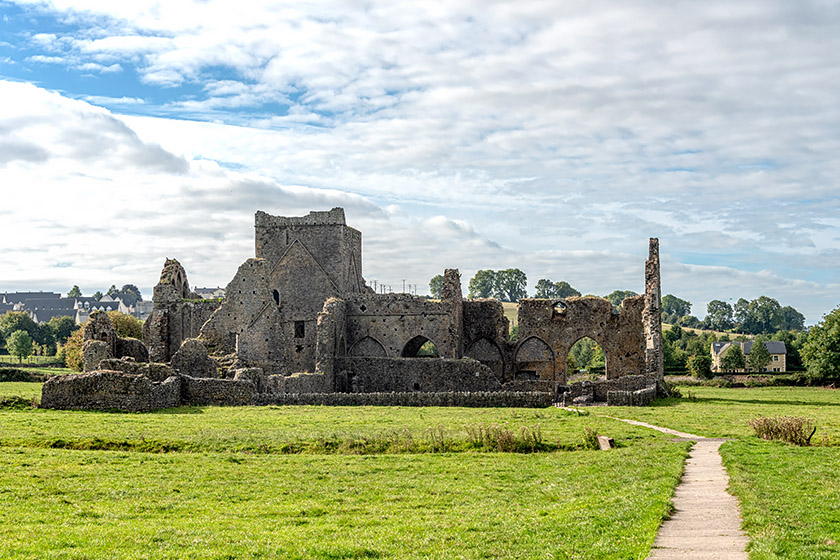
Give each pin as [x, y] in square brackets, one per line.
[298, 319]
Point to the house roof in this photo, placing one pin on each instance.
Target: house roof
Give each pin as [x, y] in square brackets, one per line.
[49, 303]
[773, 346]
[20, 297]
[44, 315]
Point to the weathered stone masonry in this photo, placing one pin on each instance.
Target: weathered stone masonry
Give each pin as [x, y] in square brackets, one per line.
[298, 319]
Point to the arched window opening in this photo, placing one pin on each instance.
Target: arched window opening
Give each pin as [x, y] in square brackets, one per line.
[586, 361]
[420, 347]
[559, 307]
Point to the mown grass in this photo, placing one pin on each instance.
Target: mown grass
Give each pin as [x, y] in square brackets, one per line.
[307, 429]
[718, 412]
[21, 389]
[83, 504]
[789, 495]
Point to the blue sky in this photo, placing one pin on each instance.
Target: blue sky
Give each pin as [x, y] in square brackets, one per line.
[553, 137]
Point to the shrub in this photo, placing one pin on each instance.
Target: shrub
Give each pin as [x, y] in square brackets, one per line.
[792, 429]
[700, 366]
[73, 350]
[13, 374]
[126, 326]
[590, 439]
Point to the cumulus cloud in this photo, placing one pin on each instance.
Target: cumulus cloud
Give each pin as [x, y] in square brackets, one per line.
[501, 131]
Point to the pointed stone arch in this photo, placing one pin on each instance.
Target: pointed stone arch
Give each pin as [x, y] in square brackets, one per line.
[534, 360]
[413, 346]
[601, 374]
[368, 347]
[488, 353]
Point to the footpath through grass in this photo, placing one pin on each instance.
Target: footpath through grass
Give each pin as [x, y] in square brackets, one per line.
[789, 496]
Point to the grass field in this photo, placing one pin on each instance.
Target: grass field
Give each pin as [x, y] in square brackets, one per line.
[231, 491]
[789, 496]
[344, 482]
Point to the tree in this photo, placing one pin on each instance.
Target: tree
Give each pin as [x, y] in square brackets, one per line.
[700, 365]
[98, 295]
[675, 307]
[19, 344]
[511, 284]
[733, 359]
[759, 356]
[73, 350]
[766, 314]
[742, 314]
[616, 297]
[132, 290]
[792, 320]
[821, 352]
[62, 328]
[546, 289]
[718, 315]
[435, 286]
[112, 290]
[126, 326]
[483, 284]
[74, 292]
[12, 321]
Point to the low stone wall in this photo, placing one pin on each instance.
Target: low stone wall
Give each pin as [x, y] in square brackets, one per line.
[301, 383]
[529, 386]
[110, 390]
[154, 371]
[626, 383]
[478, 399]
[406, 375]
[219, 392]
[642, 397]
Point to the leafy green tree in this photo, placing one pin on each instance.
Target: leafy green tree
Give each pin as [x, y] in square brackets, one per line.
[19, 344]
[766, 314]
[112, 290]
[98, 295]
[126, 326]
[616, 297]
[674, 307]
[794, 341]
[73, 350]
[74, 292]
[759, 356]
[62, 328]
[483, 284]
[821, 352]
[12, 321]
[792, 320]
[741, 313]
[435, 286]
[511, 284]
[546, 289]
[700, 365]
[733, 359]
[673, 334]
[718, 315]
[132, 290]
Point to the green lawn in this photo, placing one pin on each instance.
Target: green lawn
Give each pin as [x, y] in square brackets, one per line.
[25, 390]
[236, 494]
[716, 412]
[789, 496]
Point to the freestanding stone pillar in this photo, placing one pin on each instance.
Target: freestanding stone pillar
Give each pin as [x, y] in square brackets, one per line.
[652, 315]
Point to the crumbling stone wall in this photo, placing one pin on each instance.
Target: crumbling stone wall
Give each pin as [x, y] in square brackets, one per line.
[110, 390]
[652, 316]
[373, 375]
[549, 328]
[178, 313]
[101, 342]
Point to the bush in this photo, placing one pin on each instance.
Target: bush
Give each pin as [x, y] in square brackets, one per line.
[126, 326]
[73, 350]
[792, 429]
[700, 366]
[590, 439]
[13, 374]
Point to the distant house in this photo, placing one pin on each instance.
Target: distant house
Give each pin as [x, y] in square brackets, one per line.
[210, 293]
[777, 349]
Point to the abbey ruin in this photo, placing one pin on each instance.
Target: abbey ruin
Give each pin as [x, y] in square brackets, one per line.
[298, 324]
